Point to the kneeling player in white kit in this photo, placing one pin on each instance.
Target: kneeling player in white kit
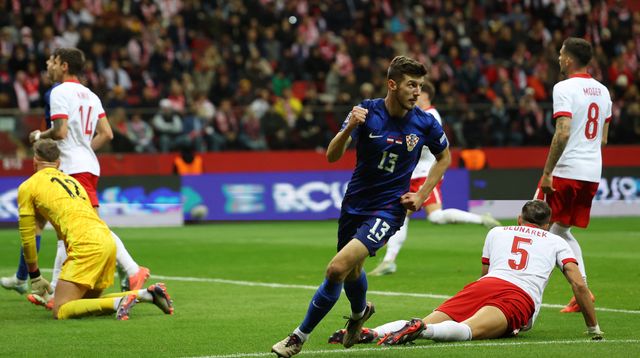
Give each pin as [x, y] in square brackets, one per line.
[517, 262]
[433, 204]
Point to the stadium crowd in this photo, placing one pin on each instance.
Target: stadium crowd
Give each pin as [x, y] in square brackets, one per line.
[273, 74]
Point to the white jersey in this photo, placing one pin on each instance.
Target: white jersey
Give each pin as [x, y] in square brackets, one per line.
[588, 103]
[525, 256]
[426, 158]
[81, 108]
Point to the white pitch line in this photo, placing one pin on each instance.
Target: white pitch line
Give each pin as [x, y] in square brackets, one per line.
[425, 347]
[379, 293]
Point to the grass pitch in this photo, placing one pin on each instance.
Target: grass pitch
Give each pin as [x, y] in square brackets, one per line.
[240, 287]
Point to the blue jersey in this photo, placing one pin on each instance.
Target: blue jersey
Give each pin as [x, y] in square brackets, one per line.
[47, 105]
[387, 151]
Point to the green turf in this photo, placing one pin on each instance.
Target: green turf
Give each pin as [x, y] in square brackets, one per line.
[222, 318]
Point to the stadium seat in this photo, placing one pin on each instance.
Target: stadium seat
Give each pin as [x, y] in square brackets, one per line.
[299, 89]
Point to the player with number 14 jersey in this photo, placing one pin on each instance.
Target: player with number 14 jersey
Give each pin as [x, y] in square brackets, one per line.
[82, 109]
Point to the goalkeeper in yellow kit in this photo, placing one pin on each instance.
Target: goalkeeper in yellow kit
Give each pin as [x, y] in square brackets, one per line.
[58, 198]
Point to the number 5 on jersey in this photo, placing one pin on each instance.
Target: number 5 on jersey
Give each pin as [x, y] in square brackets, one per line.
[516, 248]
[86, 121]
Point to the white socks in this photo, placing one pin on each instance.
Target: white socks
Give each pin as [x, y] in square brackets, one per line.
[123, 259]
[61, 256]
[565, 233]
[303, 336]
[447, 331]
[453, 216]
[396, 241]
[389, 327]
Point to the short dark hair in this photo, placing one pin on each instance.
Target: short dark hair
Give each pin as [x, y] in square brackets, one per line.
[579, 49]
[536, 212]
[73, 57]
[402, 65]
[47, 150]
[430, 89]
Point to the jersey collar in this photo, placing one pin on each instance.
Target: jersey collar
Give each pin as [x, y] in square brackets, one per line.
[580, 75]
[74, 81]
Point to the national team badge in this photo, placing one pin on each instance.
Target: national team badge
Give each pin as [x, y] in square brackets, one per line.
[412, 141]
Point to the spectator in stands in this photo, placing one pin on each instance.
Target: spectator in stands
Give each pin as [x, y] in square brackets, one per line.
[120, 142]
[289, 107]
[276, 130]
[167, 125]
[251, 134]
[499, 122]
[140, 133]
[535, 131]
[226, 124]
[280, 82]
[221, 88]
[116, 76]
[193, 132]
[260, 105]
[496, 49]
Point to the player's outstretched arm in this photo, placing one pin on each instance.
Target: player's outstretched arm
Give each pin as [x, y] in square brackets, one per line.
[581, 292]
[341, 141]
[103, 135]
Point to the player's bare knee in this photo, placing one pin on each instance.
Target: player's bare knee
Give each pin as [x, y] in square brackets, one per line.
[336, 272]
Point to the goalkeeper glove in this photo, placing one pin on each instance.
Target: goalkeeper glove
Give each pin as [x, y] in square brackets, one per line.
[39, 285]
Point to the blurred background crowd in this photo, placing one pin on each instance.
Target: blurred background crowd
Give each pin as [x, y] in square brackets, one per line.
[274, 74]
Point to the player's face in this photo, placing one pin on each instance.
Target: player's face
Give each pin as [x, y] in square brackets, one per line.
[54, 69]
[407, 91]
[563, 60]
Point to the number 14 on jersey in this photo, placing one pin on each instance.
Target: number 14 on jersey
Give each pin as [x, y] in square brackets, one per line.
[86, 120]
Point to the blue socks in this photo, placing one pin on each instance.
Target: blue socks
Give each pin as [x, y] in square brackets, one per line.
[325, 297]
[356, 292]
[23, 270]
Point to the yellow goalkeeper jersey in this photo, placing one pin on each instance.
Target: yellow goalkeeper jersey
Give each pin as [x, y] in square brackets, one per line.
[62, 201]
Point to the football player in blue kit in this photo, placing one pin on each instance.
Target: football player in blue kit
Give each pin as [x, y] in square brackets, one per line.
[389, 134]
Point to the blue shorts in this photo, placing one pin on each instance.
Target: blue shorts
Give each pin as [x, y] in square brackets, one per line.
[372, 231]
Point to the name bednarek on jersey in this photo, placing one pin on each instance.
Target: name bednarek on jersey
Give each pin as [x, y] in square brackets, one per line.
[525, 256]
[588, 104]
[387, 157]
[81, 108]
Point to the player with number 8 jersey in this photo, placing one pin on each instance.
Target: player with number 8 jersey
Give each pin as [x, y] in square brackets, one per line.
[582, 111]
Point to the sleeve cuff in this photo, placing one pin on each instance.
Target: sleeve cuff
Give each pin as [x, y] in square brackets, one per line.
[562, 114]
[59, 116]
